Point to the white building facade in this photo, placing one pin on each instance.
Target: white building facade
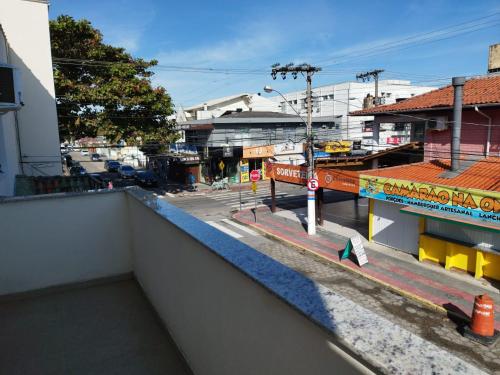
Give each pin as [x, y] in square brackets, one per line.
[337, 100]
[29, 138]
[241, 102]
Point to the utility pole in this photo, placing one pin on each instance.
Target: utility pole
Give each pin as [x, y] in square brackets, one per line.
[367, 76]
[307, 71]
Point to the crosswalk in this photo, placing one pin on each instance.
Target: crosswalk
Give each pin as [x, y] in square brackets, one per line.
[250, 199]
[232, 228]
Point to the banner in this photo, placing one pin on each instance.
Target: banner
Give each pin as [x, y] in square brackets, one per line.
[335, 179]
[244, 170]
[472, 203]
[256, 152]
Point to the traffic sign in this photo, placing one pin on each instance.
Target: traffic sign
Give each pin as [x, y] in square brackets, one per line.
[254, 187]
[255, 175]
[221, 165]
[313, 184]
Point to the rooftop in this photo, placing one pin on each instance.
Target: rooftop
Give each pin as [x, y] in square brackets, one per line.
[482, 174]
[477, 91]
[256, 114]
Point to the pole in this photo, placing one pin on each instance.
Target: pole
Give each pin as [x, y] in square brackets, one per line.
[348, 101]
[240, 189]
[311, 195]
[458, 84]
[376, 89]
[273, 195]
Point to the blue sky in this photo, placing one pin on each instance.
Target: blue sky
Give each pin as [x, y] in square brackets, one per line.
[343, 37]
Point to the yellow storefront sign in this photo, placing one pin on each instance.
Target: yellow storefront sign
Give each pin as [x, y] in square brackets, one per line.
[472, 203]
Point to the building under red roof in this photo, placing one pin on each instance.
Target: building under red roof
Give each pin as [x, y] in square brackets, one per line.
[483, 174]
[477, 91]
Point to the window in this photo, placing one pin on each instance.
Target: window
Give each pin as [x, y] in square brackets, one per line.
[331, 96]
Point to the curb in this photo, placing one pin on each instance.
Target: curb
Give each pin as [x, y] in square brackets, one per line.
[404, 293]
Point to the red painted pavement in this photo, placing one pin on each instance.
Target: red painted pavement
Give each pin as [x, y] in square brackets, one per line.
[300, 238]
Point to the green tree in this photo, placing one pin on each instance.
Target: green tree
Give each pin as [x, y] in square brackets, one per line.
[103, 90]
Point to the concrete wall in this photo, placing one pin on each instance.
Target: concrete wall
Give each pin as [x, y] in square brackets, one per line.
[224, 322]
[25, 25]
[47, 241]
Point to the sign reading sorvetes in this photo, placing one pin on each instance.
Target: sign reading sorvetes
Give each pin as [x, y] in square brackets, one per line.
[335, 179]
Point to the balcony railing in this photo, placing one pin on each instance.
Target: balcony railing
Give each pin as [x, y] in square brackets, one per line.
[229, 308]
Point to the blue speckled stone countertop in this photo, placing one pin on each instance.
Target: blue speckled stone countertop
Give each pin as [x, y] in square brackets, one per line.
[385, 346]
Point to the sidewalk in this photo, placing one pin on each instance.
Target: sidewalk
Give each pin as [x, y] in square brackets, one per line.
[448, 293]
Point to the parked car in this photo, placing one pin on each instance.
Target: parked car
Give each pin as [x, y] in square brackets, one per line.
[77, 170]
[146, 178]
[84, 152]
[112, 165]
[126, 171]
[95, 157]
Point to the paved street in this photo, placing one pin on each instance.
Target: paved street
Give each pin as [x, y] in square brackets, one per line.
[215, 209]
[89, 165]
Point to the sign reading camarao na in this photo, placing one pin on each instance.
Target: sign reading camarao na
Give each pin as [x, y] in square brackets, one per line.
[478, 204]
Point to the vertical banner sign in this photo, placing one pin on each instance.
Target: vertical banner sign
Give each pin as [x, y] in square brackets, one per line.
[244, 170]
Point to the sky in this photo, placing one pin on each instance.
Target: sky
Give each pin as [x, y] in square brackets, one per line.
[234, 43]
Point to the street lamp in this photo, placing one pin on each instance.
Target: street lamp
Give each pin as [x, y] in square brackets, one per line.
[311, 195]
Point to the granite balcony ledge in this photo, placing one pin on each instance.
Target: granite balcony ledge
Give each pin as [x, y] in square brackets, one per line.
[374, 340]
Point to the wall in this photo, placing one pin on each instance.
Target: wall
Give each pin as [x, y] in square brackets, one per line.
[55, 239]
[473, 137]
[224, 322]
[9, 153]
[25, 24]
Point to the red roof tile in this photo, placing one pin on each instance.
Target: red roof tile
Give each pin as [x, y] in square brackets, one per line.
[484, 90]
[482, 175]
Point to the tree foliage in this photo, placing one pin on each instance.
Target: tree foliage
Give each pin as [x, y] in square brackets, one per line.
[103, 90]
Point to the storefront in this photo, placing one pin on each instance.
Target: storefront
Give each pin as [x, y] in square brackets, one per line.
[456, 224]
[255, 158]
[175, 167]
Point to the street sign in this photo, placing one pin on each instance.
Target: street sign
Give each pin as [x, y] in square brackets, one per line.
[254, 187]
[221, 165]
[255, 175]
[313, 184]
[355, 246]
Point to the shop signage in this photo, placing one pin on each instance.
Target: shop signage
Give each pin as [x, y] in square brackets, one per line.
[244, 171]
[472, 203]
[355, 246]
[227, 151]
[288, 148]
[255, 175]
[335, 179]
[188, 159]
[256, 152]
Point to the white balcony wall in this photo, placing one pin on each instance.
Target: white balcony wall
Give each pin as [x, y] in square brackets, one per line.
[48, 241]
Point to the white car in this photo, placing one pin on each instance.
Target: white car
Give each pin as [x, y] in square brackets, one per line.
[84, 152]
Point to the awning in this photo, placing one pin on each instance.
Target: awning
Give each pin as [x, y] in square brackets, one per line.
[479, 224]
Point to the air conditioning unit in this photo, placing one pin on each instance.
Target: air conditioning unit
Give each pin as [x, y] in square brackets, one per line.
[437, 123]
[10, 93]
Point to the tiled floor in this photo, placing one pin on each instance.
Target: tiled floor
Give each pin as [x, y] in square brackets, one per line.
[105, 329]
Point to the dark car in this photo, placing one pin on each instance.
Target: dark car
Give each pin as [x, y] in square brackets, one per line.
[77, 170]
[126, 171]
[95, 157]
[112, 165]
[146, 178]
